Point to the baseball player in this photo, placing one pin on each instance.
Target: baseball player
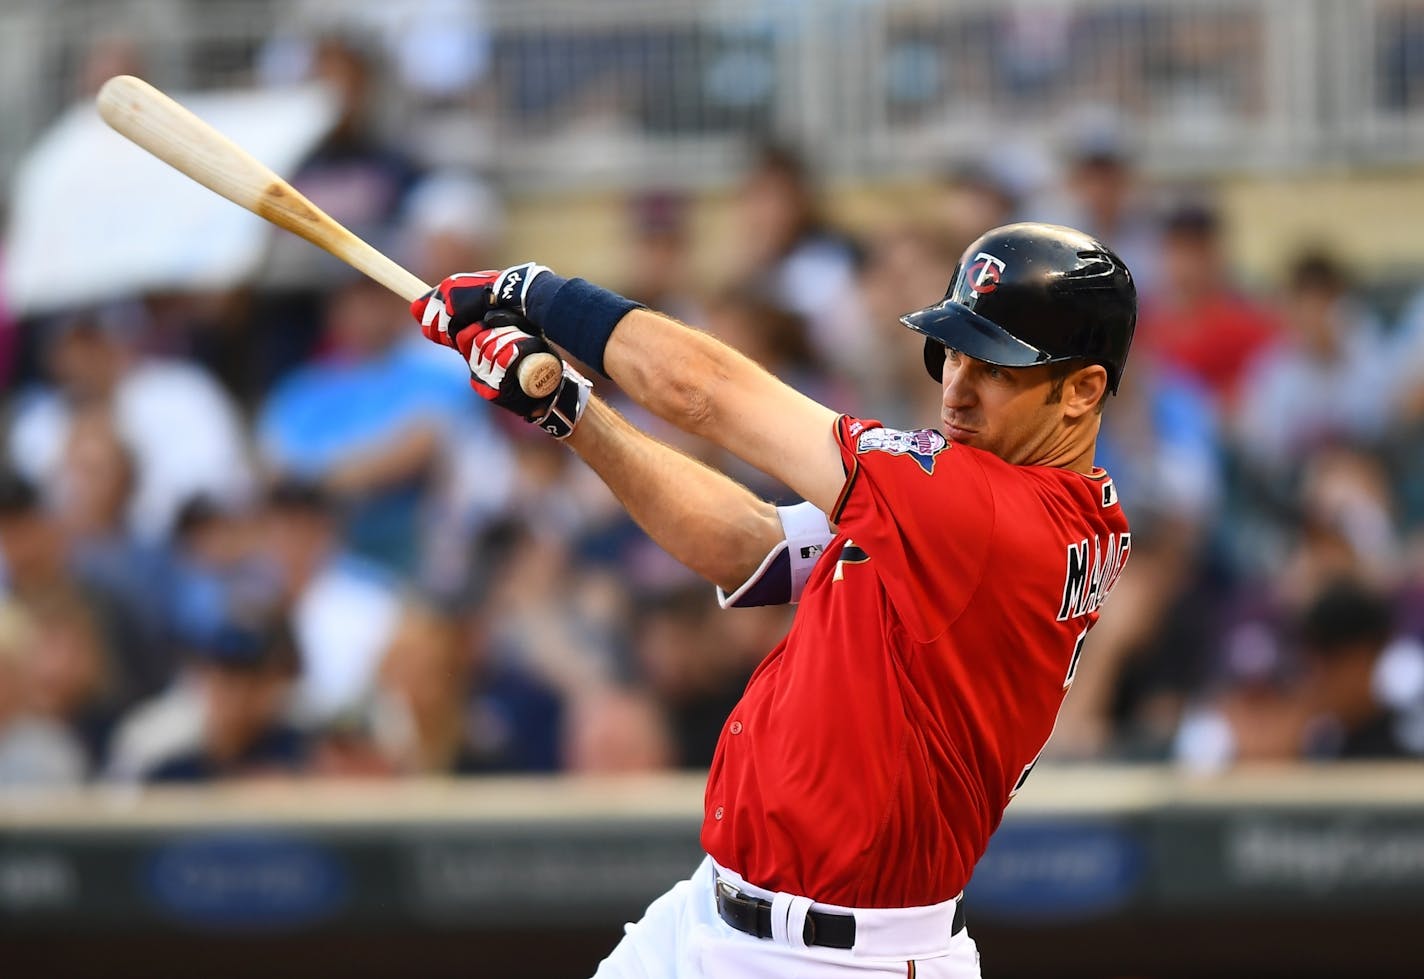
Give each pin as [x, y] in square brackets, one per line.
[946, 578]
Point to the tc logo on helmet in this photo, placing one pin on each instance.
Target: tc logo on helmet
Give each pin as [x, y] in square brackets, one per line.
[983, 274]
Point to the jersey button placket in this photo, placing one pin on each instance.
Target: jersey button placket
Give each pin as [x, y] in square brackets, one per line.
[736, 727]
[717, 813]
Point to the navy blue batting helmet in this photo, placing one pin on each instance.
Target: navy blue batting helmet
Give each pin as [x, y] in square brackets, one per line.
[1028, 294]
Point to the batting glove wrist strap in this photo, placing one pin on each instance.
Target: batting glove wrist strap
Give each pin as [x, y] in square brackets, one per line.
[513, 287]
[568, 405]
[577, 315]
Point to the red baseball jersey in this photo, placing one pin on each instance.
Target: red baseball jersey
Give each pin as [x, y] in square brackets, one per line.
[876, 747]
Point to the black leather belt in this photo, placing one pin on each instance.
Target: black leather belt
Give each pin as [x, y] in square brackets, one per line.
[752, 916]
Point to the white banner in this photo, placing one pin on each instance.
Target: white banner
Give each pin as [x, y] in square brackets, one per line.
[94, 217]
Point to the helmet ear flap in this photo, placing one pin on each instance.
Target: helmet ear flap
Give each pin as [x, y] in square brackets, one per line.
[934, 358]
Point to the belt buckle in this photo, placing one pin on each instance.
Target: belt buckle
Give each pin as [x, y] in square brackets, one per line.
[726, 890]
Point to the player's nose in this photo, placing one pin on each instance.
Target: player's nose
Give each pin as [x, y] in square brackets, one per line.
[959, 392]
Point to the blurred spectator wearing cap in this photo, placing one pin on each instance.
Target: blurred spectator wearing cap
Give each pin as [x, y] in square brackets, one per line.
[243, 674]
[1323, 381]
[33, 555]
[1253, 708]
[181, 429]
[355, 175]
[1344, 634]
[1337, 521]
[551, 602]
[1197, 320]
[1102, 196]
[36, 748]
[376, 423]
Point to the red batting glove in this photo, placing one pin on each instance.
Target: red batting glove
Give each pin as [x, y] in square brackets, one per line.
[494, 349]
[458, 302]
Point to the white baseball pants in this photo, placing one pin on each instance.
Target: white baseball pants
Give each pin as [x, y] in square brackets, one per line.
[681, 936]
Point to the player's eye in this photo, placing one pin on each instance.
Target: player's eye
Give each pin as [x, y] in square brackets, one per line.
[995, 373]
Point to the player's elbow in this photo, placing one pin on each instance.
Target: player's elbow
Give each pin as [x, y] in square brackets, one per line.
[696, 409]
[687, 393]
[743, 549]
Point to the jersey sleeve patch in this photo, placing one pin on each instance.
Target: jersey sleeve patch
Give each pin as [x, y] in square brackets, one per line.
[922, 445]
[1109, 494]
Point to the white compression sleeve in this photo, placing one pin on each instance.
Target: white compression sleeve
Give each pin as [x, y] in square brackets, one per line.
[782, 574]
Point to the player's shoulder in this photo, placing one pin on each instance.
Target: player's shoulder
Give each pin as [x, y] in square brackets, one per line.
[1093, 494]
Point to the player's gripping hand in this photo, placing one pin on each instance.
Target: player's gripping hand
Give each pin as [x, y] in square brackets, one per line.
[494, 349]
[463, 299]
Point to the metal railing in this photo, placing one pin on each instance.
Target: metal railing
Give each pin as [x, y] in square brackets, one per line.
[623, 91]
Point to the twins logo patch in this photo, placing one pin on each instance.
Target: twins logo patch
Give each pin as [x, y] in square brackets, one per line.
[921, 445]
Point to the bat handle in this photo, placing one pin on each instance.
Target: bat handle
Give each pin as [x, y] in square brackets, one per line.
[539, 374]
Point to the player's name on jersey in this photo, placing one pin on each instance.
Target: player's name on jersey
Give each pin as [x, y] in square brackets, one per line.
[1087, 581]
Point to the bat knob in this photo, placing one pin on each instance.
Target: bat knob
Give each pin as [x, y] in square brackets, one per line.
[539, 374]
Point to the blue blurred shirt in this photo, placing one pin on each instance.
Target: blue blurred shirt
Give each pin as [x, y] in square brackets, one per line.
[329, 412]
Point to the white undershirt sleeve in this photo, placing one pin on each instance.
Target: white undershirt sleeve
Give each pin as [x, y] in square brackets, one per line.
[782, 574]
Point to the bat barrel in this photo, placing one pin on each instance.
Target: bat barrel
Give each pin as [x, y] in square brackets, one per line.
[144, 115]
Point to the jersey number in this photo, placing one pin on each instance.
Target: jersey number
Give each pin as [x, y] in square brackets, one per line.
[850, 554]
[1067, 682]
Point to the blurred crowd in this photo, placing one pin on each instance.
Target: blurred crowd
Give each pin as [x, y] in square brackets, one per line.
[270, 531]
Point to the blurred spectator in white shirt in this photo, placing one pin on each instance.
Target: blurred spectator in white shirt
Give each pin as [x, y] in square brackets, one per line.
[183, 431]
[341, 610]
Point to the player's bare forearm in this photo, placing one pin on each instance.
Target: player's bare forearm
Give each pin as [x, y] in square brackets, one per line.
[704, 387]
[713, 525]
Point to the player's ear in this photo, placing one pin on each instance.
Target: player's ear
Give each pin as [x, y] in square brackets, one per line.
[1084, 391]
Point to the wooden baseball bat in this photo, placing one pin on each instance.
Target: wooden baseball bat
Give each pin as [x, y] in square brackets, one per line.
[146, 116]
